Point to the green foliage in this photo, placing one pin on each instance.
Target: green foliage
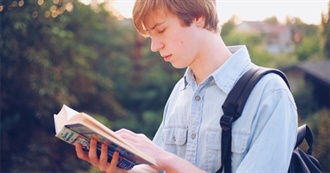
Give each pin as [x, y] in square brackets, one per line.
[309, 47]
[228, 27]
[49, 58]
[272, 20]
[319, 123]
[256, 44]
[318, 119]
[322, 143]
[147, 123]
[304, 100]
[326, 32]
[64, 52]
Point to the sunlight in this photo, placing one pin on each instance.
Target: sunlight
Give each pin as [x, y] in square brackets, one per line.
[124, 7]
[309, 11]
[87, 2]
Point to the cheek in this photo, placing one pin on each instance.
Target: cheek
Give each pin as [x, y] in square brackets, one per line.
[180, 38]
[176, 45]
[181, 42]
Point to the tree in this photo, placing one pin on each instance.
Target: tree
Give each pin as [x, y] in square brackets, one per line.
[322, 139]
[229, 26]
[65, 52]
[272, 20]
[326, 32]
[48, 58]
[306, 38]
[319, 122]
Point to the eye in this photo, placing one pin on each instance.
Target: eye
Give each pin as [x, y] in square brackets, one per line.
[161, 31]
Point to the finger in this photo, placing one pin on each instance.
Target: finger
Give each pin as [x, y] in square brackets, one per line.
[114, 162]
[92, 152]
[81, 153]
[125, 131]
[133, 138]
[128, 135]
[103, 157]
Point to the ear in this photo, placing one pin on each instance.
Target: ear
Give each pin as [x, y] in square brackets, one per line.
[200, 21]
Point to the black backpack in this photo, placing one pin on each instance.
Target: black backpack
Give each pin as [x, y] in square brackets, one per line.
[233, 106]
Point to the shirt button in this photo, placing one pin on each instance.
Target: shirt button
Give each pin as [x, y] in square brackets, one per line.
[197, 98]
[193, 136]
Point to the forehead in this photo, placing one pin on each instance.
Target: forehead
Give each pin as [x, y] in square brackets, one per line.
[155, 18]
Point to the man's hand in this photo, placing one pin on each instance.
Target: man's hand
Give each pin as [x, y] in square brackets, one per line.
[101, 163]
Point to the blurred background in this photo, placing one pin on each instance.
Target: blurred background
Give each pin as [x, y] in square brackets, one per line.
[87, 55]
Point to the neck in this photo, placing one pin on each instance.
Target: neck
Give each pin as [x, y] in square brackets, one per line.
[213, 54]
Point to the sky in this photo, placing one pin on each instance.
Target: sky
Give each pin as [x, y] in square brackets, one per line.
[309, 11]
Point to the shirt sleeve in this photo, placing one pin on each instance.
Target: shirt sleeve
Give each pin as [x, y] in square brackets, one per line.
[158, 137]
[273, 137]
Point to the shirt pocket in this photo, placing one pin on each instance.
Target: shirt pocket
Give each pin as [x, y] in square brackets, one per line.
[213, 149]
[174, 139]
[239, 142]
[175, 135]
[212, 155]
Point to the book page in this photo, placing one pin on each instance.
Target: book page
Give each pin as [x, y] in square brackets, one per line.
[62, 117]
[101, 129]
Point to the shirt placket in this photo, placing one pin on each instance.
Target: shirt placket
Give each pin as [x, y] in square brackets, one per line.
[194, 125]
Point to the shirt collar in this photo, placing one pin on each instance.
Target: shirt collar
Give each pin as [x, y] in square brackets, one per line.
[188, 78]
[226, 76]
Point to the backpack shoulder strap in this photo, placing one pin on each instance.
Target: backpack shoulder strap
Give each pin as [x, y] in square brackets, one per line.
[238, 96]
[234, 105]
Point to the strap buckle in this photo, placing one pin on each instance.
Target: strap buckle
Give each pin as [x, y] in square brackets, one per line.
[226, 122]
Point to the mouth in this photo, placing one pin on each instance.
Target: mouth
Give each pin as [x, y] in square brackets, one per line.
[167, 57]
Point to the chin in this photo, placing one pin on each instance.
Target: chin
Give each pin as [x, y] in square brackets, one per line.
[179, 66]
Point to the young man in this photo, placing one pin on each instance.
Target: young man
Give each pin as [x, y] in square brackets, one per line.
[186, 34]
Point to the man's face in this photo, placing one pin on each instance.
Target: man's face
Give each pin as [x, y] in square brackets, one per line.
[176, 43]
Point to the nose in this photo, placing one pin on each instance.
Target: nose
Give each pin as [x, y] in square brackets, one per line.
[156, 44]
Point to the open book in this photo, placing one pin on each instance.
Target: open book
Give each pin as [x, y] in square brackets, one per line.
[74, 127]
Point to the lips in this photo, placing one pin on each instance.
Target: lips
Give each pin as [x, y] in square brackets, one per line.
[166, 57]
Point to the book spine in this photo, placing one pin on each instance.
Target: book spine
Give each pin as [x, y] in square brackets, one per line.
[73, 138]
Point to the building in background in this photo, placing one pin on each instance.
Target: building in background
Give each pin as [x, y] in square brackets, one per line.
[279, 37]
[315, 74]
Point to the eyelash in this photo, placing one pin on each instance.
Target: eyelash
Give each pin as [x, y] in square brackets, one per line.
[162, 31]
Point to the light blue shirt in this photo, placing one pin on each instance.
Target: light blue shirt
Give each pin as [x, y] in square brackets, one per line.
[263, 137]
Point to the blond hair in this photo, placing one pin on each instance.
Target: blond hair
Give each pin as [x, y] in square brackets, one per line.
[185, 10]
